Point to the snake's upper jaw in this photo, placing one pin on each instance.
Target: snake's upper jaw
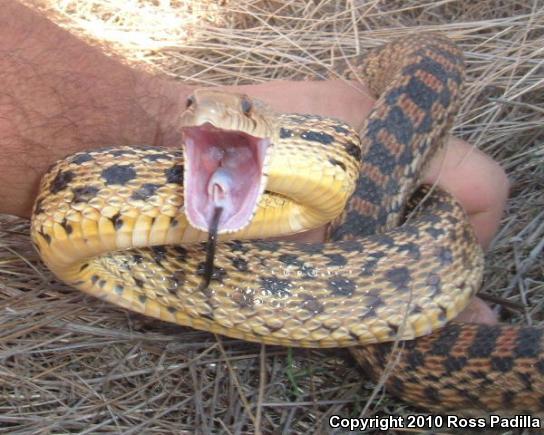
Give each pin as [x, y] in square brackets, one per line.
[223, 168]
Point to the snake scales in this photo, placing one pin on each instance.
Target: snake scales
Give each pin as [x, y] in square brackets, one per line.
[114, 223]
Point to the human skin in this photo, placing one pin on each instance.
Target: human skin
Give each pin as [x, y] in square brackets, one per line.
[59, 95]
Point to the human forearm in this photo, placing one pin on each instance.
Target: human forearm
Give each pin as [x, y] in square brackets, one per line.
[59, 95]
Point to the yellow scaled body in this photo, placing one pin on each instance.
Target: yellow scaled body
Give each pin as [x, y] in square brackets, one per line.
[111, 222]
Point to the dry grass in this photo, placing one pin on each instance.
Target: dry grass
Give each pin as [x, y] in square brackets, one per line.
[73, 364]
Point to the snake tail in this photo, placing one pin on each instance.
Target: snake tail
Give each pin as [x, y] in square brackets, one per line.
[467, 368]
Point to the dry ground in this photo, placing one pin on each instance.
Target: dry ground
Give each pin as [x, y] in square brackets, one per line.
[70, 363]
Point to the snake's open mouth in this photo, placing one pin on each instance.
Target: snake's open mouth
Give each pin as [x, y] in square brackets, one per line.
[223, 168]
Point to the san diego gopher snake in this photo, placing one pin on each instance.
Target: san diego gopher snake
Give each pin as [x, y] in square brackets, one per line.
[114, 223]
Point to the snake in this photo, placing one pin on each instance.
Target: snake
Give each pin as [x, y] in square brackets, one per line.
[129, 224]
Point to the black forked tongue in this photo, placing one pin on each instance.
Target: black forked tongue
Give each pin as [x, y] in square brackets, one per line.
[210, 249]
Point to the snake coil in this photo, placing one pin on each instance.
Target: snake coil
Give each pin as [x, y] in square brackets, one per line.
[112, 223]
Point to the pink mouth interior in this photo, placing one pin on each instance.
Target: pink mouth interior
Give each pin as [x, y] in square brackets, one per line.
[223, 168]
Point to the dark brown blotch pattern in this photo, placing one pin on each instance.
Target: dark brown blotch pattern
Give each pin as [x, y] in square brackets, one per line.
[399, 277]
[276, 286]
[174, 175]
[341, 286]
[84, 194]
[146, 191]
[118, 174]
[61, 181]
[311, 304]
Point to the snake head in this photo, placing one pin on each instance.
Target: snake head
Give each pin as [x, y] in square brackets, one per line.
[229, 111]
[227, 141]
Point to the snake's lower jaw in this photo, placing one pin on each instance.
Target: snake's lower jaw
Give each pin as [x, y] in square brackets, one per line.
[226, 169]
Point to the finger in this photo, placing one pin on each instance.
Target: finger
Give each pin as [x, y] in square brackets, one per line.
[477, 181]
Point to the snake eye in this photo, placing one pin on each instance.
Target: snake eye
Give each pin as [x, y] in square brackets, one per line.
[246, 105]
[190, 101]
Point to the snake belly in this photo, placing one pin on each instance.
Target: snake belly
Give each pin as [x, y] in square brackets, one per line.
[111, 222]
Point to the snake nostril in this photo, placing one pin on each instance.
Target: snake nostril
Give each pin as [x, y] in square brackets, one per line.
[246, 105]
[190, 101]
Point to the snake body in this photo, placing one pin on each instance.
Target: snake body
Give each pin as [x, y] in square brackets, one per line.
[111, 222]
